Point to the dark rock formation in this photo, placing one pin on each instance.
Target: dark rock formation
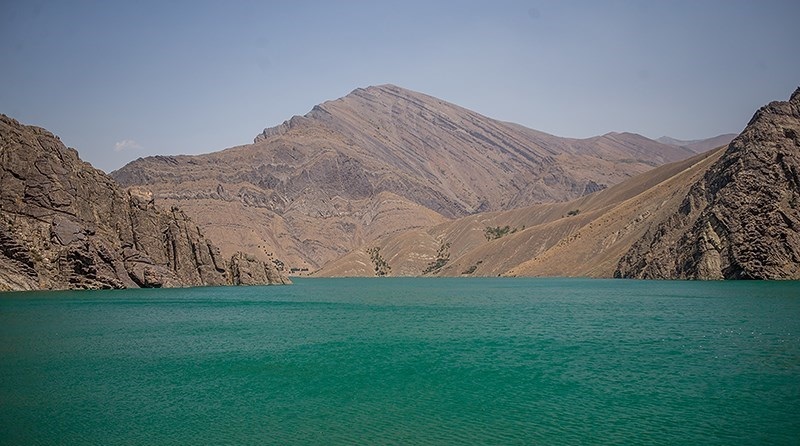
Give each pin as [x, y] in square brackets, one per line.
[742, 219]
[66, 225]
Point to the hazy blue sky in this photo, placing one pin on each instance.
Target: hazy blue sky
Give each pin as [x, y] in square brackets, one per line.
[119, 80]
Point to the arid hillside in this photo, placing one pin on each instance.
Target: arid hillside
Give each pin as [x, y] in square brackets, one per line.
[583, 237]
[377, 162]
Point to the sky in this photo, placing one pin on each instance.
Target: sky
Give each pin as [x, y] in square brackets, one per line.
[118, 80]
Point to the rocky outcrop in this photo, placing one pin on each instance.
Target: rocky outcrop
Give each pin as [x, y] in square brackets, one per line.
[741, 220]
[66, 225]
[247, 270]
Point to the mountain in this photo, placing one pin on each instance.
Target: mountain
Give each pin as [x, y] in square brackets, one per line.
[699, 145]
[728, 213]
[379, 161]
[66, 225]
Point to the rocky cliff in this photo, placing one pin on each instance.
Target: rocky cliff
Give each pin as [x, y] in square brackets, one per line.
[66, 225]
[378, 161]
[742, 219]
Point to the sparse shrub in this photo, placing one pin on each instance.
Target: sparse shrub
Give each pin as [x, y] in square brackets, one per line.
[382, 268]
[494, 233]
[442, 257]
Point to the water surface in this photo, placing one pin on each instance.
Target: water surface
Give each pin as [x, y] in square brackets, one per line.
[405, 361]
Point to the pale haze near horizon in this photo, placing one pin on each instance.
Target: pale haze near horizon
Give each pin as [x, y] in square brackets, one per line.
[121, 80]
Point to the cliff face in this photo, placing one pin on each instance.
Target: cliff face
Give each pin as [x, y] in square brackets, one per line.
[742, 219]
[66, 225]
[378, 161]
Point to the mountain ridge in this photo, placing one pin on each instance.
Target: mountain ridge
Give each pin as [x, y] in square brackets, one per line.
[699, 145]
[304, 187]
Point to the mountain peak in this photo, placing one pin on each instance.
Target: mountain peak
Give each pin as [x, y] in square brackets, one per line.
[371, 91]
[387, 88]
[776, 108]
[394, 91]
[359, 95]
[383, 87]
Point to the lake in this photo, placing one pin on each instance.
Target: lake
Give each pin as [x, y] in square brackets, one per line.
[405, 361]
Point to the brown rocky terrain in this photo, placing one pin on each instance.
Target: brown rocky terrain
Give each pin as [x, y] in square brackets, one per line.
[66, 225]
[380, 161]
[728, 213]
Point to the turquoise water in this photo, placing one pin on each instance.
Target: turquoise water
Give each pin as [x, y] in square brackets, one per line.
[405, 361]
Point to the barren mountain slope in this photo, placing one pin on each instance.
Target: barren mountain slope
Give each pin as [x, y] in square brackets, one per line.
[64, 224]
[583, 237]
[594, 250]
[380, 160]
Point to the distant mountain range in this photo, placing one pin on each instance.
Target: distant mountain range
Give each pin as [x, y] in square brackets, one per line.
[699, 145]
[376, 162]
[731, 213]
